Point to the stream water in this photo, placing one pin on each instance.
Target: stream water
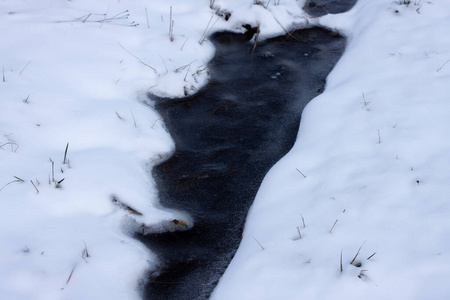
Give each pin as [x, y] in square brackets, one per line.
[227, 137]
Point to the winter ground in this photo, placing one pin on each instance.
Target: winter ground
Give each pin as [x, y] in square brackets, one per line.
[377, 164]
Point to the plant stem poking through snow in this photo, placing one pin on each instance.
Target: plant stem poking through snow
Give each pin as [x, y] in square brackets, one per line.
[65, 154]
[17, 180]
[258, 242]
[300, 172]
[140, 60]
[333, 226]
[371, 256]
[303, 221]
[171, 26]
[342, 269]
[353, 260]
[4, 79]
[436, 70]
[146, 14]
[134, 120]
[53, 169]
[299, 234]
[379, 137]
[20, 74]
[34, 186]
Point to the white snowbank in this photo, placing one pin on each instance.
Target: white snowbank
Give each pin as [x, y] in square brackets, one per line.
[374, 148]
[77, 72]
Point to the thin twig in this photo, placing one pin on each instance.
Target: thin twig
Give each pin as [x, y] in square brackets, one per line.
[119, 116]
[34, 186]
[299, 234]
[303, 220]
[137, 58]
[342, 269]
[371, 256]
[300, 172]
[70, 276]
[65, 153]
[333, 226]
[353, 260]
[17, 180]
[20, 74]
[53, 170]
[436, 70]
[134, 120]
[146, 13]
[258, 242]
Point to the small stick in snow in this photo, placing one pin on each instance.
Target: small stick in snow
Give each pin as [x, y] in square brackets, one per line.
[171, 26]
[53, 170]
[371, 256]
[17, 180]
[303, 220]
[258, 242]
[342, 269]
[436, 70]
[12, 146]
[65, 153]
[379, 137]
[154, 123]
[20, 74]
[70, 276]
[34, 186]
[364, 99]
[333, 226]
[134, 120]
[184, 44]
[140, 60]
[146, 13]
[119, 116]
[300, 172]
[353, 260]
[4, 79]
[299, 234]
[26, 99]
[185, 76]
[85, 248]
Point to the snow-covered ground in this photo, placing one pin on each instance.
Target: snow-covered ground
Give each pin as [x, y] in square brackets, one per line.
[373, 147]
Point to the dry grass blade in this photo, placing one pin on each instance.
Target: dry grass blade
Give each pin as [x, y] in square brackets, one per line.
[20, 74]
[258, 242]
[70, 276]
[53, 170]
[437, 69]
[371, 256]
[300, 172]
[333, 226]
[65, 153]
[17, 180]
[299, 234]
[354, 258]
[146, 13]
[342, 269]
[303, 221]
[34, 186]
[140, 60]
[134, 120]
[119, 116]
[12, 146]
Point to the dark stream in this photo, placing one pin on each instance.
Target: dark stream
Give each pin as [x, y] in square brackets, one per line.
[227, 137]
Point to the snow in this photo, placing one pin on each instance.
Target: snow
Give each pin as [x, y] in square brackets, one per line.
[389, 192]
[374, 149]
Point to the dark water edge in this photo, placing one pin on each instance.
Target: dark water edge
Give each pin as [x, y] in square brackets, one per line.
[227, 137]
